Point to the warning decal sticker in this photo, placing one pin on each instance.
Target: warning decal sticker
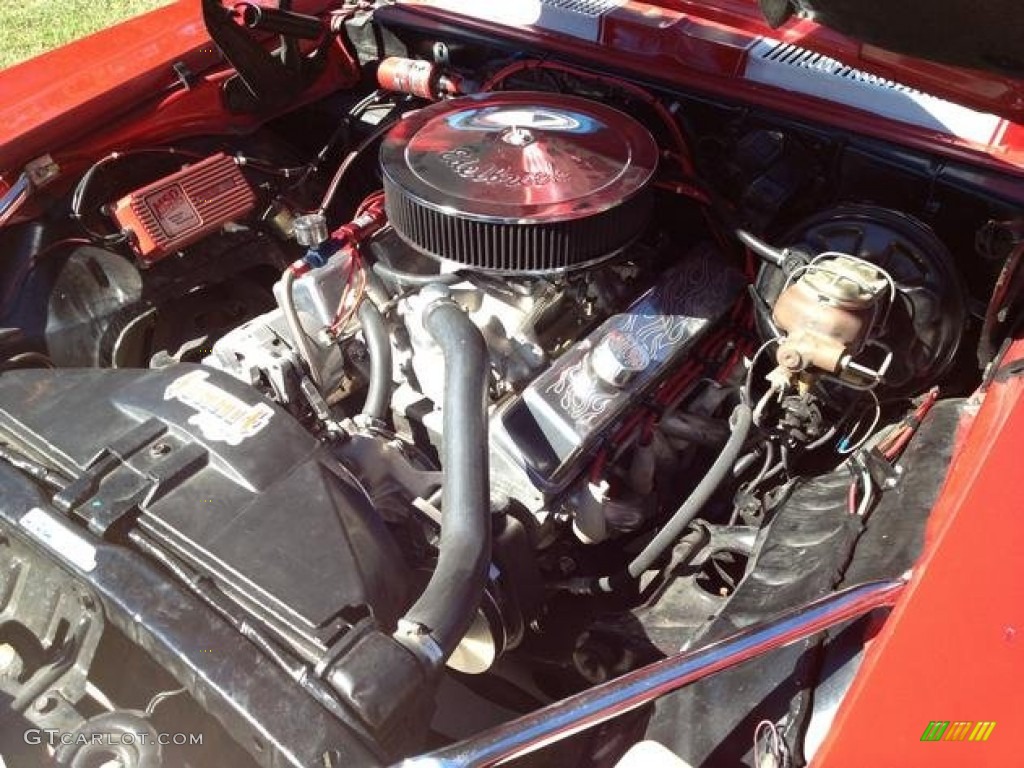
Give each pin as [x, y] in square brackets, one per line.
[221, 416]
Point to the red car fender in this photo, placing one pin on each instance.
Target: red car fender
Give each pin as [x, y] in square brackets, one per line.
[953, 648]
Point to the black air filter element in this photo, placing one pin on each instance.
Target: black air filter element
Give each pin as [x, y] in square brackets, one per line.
[519, 182]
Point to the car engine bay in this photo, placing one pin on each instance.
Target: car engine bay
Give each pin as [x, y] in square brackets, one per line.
[481, 384]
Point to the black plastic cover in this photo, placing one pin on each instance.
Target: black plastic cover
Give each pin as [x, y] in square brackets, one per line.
[223, 479]
[258, 703]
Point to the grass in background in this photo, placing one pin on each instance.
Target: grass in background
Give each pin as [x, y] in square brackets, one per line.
[31, 27]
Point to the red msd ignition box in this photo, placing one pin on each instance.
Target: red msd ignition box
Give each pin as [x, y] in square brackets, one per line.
[185, 207]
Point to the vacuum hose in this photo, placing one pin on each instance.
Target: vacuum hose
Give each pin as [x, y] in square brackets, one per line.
[740, 422]
[761, 249]
[450, 601]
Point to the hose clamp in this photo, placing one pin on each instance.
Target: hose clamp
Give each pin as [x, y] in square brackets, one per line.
[431, 297]
[418, 639]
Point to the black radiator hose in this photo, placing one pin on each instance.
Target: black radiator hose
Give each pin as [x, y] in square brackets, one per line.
[452, 597]
[378, 346]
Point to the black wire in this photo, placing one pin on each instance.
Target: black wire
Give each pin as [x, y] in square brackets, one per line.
[26, 360]
[78, 196]
[350, 159]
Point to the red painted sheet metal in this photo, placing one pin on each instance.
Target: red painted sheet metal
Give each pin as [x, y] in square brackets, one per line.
[115, 89]
[953, 649]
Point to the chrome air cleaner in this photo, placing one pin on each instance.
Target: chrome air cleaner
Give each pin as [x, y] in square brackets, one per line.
[519, 182]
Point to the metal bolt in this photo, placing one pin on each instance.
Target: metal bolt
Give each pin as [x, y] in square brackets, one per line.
[159, 449]
[894, 479]
[8, 656]
[789, 358]
[45, 704]
[441, 54]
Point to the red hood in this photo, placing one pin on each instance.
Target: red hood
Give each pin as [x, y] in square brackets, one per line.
[71, 91]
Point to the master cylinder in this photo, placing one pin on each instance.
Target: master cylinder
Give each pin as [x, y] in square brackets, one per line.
[827, 313]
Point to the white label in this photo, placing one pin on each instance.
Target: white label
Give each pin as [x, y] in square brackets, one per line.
[221, 416]
[60, 537]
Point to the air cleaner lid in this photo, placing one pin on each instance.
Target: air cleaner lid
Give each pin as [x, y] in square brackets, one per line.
[513, 160]
[520, 156]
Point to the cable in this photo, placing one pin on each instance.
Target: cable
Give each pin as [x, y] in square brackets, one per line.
[349, 160]
[748, 384]
[351, 298]
[869, 492]
[78, 196]
[161, 697]
[343, 131]
[897, 442]
[684, 155]
[844, 448]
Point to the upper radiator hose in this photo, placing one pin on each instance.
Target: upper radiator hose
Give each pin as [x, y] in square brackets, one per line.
[449, 603]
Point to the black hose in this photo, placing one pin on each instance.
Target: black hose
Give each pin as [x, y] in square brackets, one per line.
[761, 248]
[413, 279]
[378, 346]
[450, 601]
[740, 422]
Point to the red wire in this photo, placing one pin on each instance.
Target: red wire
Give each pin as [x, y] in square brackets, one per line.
[670, 390]
[684, 157]
[897, 442]
[355, 270]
